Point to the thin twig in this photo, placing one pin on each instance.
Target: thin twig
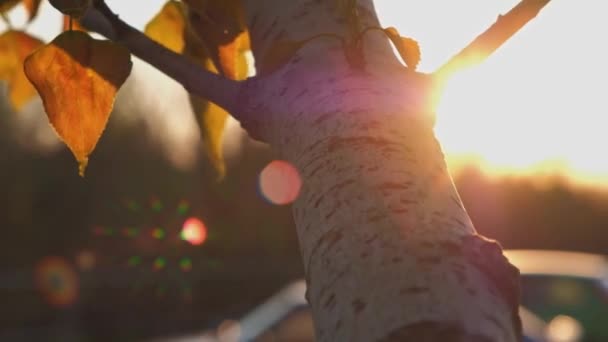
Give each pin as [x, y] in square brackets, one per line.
[198, 81]
[493, 38]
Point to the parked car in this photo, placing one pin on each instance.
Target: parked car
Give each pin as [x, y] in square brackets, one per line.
[564, 299]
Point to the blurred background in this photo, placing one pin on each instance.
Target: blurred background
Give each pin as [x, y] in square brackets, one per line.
[150, 245]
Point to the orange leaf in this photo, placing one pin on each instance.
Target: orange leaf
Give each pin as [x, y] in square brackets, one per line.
[6, 5]
[15, 46]
[32, 7]
[167, 27]
[221, 26]
[407, 47]
[78, 77]
[75, 24]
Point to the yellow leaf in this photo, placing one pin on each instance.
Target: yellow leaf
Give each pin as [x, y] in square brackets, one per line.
[15, 46]
[210, 117]
[216, 37]
[75, 8]
[168, 26]
[408, 48]
[78, 77]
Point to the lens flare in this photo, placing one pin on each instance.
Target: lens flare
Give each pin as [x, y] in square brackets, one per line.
[158, 233]
[185, 264]
[57, 280]
[183, 207]
[160, 263]
[194, 231]
[134, 261]
[280, 182]
[156, 205]
[86, 260]
[229, 331]
[130, 232]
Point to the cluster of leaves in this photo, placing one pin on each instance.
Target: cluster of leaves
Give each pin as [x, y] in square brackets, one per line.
[78, 77]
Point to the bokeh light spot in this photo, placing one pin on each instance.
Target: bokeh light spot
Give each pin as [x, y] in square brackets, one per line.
[132, 205]
[158, 233]
[160, 263]
[564, 328]
[134, 261]
[183, 207]
[57, 281]
[185, 264]
[194, 231]
[156, 205]
[280, 182]
[85, 260]
[229, 331]
[130, 232]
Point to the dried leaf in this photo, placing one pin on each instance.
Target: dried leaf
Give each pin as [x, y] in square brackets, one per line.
[221, 26]
[408, 48]
[32, 6]
[15, 46]
[7, 5]
[78, 77]
[168, 26]
[75, 8]
[216, 37]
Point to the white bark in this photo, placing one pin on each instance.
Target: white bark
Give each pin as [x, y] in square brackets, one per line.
[389, 251]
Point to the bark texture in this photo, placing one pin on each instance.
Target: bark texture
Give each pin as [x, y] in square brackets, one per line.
[389, 250]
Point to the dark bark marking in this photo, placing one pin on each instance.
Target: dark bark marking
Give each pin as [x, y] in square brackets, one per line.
[371, 239]
[358, 305]
[452, 248]
[375, 218]
[430, 260]
[397, 260]
[321, 118]
[269, 29]
[283, 91]
[392, 185]
[431, 331]
[330, 302]
[413, 290]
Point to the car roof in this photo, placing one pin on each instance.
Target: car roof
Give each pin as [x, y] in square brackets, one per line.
[564, 263]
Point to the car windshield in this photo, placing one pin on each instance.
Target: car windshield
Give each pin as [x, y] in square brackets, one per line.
[571, 305]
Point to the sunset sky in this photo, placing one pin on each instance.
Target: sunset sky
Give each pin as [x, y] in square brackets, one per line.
[537, 105]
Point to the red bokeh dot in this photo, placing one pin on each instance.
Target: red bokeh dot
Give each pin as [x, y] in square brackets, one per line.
[194, 231]
[280, 182]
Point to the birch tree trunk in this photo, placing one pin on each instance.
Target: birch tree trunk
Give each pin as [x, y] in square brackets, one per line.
[390, 253]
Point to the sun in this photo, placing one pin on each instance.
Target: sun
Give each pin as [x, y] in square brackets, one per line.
[536, 106]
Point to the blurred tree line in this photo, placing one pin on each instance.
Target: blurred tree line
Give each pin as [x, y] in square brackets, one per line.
[130, 190]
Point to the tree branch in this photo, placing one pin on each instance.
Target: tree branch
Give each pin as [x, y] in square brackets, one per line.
[198, 81]
[493, 38]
